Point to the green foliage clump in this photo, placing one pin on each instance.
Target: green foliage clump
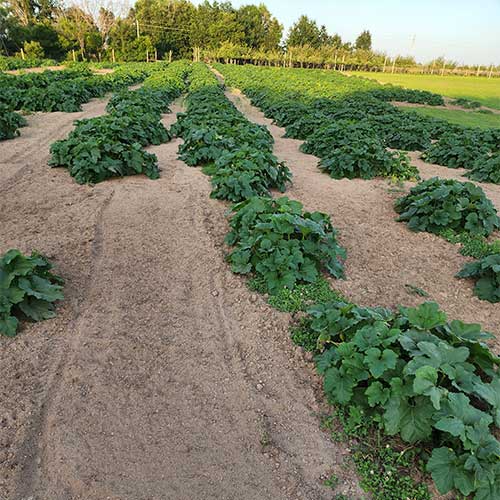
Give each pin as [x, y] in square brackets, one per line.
[457, 149]
[10, 122]
[395, 93]
[486, 169]
[112, 145]
[236, 153]
[486, 272]
[109, 146]
[276, 240]
[438, 204]
[300, 298]
[422, 378]
[239, 175]
[28, 289]
[471, 245]
[352, 150]
[466, 103]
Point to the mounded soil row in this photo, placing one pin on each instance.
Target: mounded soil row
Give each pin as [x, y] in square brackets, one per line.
[162, 376]
[384, 258]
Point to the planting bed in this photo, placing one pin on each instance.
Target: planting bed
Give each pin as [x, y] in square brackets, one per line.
[163, 375]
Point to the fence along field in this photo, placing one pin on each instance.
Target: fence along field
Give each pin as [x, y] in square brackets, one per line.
[413, 373]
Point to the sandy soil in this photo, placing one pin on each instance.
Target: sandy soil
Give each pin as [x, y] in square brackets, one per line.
[162, 376]
[384, 256]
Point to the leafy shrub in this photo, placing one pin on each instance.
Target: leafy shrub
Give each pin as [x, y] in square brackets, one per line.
[437, 204]
[10, 122]
[353, 150]
[421, 377]
[13, 63]
[486, 169]
[277, 241]
[486, 271]
[27, 289]
[97, 159]
[247, 172]
[404, 131]
[466, 103]
[457, 149]
[111, 145]
[235, 152]
[367, 160]
[394, 93]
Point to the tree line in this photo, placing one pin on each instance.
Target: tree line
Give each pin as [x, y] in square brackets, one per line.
[47, 28]
[102, 30]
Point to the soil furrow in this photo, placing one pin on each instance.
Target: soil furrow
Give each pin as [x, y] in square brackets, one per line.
[162, 376]
[384, 256]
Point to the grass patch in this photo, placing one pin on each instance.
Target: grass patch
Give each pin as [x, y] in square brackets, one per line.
[464, 118]
[298, 299]
[471, 245]
[385, 466]
[482, 89]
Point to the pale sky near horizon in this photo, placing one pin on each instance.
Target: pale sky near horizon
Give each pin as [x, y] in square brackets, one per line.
[461, 30]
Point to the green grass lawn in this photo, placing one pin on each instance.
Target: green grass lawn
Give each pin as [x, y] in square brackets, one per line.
[482, 89]
[465, 118]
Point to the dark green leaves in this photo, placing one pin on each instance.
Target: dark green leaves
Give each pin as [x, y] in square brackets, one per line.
[235, 152]
[457, 149]
[486, 168]
[423, 378]
[437, 204]
[486, 272]
[111, 145]
[282, 244]
[27, 289]
[10, 122]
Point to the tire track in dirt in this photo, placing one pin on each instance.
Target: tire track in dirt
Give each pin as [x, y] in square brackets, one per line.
[383, 255]
[162, 377]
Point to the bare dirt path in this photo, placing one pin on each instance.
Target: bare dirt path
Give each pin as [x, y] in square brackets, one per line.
[162, 376]
[18, 156]
[384, 256]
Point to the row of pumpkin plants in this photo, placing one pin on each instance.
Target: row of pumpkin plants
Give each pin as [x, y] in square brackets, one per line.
[350, 125]
[62, 90]
[97, 149]
[431, 381]
[417, 375]
[357, 134]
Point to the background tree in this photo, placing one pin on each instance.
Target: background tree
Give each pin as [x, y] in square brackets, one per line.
[76, 29]
[304, 32]
[167, 24]
[364, 41]
[260, 28]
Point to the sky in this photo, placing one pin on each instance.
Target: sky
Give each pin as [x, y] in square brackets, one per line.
[466, 31]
